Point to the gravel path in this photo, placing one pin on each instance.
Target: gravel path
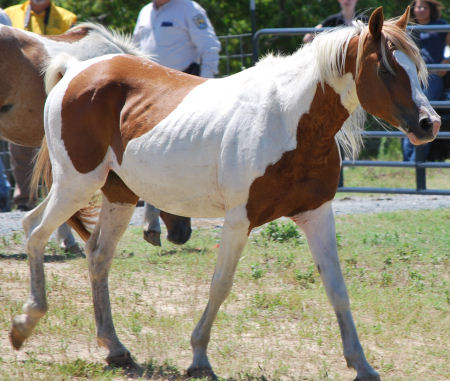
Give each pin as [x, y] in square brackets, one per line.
[11, 222]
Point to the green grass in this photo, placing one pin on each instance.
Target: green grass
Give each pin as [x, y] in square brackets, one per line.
[276, 324]
[381, 177]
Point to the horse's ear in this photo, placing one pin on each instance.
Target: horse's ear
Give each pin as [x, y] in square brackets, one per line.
[403, 21]
[376, 23]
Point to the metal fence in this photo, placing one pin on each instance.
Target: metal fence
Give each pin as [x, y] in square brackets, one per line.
[420, 165]
[235, 47]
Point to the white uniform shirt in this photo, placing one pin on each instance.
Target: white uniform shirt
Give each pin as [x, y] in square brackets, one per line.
[4, 19]
[178, 34]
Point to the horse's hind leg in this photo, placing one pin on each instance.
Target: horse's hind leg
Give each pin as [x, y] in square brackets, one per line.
[38, 225]
[233, 240]
[319, 228]
[66, 239]
[113, 221]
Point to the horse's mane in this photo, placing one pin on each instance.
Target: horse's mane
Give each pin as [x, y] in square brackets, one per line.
[121, 40]
[329, 50]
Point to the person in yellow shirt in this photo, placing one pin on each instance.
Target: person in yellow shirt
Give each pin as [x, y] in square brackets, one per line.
[41, 17]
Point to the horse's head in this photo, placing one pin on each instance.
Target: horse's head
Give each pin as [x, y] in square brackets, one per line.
[389, 73]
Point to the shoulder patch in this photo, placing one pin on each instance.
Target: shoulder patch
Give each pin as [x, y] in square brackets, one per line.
[200, 21]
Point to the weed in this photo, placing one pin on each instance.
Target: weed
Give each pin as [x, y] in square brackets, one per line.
[257, 271]
[85, 369]
[281, 232]
[305, 278]
[386, 279]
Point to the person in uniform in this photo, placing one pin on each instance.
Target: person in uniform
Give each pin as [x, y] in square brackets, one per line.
[41, 17]
[179, 35]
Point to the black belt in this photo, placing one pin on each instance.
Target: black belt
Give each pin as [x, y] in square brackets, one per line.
[193, 68]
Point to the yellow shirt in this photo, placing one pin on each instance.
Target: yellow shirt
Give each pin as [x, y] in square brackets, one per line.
[58, 20]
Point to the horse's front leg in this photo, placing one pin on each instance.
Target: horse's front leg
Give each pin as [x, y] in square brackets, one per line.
[233, 240]
[114, 219]
[319, 228]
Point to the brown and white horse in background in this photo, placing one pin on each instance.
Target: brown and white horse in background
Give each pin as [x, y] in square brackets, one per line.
[22, 94]
[251, 147]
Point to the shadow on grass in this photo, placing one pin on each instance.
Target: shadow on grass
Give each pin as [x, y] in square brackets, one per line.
[184, 250]
[151, 370]
[48, 258]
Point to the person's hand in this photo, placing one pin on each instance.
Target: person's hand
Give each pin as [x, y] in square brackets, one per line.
[308, 37]
[206, 72]
[441, 73]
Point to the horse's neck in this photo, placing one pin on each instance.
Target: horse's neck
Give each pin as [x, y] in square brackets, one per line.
[298, 84]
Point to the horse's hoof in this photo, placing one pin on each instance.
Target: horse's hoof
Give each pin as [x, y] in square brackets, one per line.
[201, 373]
[153, 237]
[122, 360]
[75, 250]
[179, 237]
[16, 337]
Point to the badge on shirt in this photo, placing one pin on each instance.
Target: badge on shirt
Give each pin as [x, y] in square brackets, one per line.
[200, 21]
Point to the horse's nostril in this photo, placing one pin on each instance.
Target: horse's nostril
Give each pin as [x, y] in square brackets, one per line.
[426, 124]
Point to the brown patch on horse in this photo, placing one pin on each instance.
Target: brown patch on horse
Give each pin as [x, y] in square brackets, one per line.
[114, 101]
[308, 176]
[115, 190]
[72, 35]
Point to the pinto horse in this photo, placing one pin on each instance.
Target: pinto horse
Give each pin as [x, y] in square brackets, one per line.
[251, 147]
[22, 93]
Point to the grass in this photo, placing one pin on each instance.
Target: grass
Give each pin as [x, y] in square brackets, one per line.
[276, 324]
[437, 178]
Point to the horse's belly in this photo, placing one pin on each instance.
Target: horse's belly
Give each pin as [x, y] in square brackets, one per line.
[184, 186]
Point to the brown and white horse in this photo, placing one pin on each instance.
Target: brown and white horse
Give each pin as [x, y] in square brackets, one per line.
[252, 147]
[22, 94]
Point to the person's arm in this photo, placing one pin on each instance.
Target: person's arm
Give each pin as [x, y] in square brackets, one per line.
[310, 36]
[205, 40]
[4, 19]
[441, 73]
[140, 26]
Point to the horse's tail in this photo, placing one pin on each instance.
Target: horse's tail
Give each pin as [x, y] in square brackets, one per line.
[55, 68]
[83, 220]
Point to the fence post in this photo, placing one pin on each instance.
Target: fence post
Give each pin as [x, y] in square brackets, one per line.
[421, 181]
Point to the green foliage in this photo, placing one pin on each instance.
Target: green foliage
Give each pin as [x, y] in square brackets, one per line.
[281, 232]
[306, 277]
[83, 368]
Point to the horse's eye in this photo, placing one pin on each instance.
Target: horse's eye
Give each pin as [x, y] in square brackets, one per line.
[382, 70]
[6, 108]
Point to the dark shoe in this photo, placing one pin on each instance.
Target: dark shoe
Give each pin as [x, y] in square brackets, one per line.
[4, 204]
[153, 237]
[23, 208]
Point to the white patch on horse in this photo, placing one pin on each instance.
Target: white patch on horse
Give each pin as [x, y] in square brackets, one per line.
[417, 94]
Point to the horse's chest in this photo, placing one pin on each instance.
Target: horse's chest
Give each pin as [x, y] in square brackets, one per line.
[296, 183]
